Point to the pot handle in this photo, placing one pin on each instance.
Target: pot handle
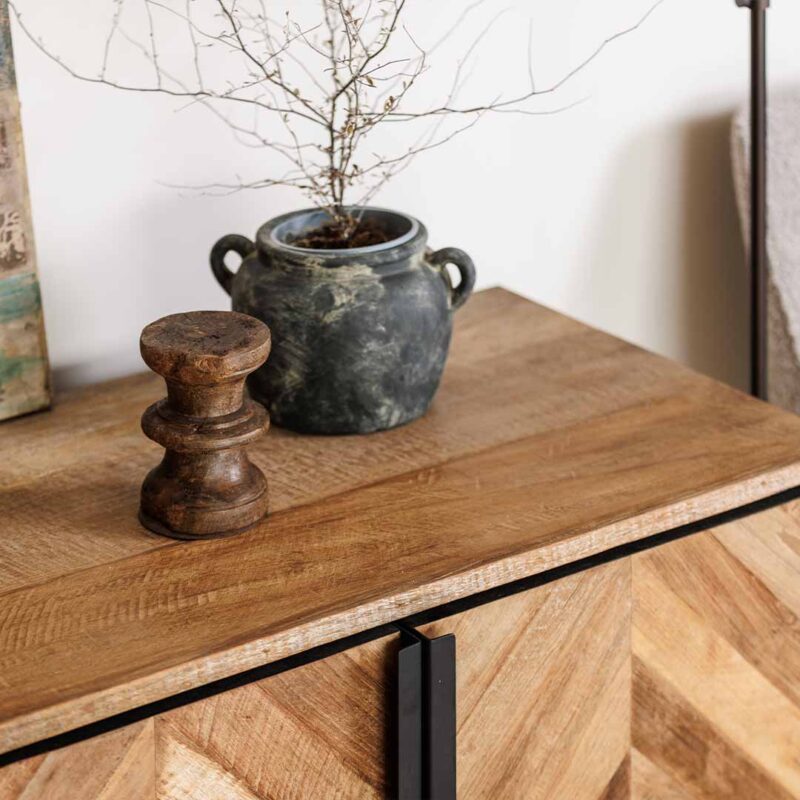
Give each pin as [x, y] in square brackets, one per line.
[235, 243]
[458, 258]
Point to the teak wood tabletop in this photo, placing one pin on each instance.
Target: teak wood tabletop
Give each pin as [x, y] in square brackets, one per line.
[548, 442]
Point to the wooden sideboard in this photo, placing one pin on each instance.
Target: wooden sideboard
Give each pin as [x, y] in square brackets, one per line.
[577, 577]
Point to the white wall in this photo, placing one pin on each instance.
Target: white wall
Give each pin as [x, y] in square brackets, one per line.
[619, 212]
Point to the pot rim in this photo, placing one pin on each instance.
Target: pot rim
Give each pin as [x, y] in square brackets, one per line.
[268, 234]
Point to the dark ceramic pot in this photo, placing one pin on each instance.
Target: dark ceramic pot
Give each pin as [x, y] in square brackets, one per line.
[360, 336]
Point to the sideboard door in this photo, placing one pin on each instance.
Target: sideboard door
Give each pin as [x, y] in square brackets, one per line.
[321, 730]
[543, 690]
[716, 653]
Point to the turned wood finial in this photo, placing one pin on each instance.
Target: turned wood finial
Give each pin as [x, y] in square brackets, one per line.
[205, 486]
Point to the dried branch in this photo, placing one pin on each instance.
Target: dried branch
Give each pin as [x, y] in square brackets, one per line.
[322, 88]
[114, 26]
[533, 92]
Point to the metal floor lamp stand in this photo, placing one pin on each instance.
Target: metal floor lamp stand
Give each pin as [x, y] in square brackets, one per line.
[758, 193]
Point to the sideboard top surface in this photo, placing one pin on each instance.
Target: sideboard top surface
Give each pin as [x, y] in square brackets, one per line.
[548, 442]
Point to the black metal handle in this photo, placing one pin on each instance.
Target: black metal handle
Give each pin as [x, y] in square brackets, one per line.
[426, 716]
[409, 718]
[233, 242]
[440, 695]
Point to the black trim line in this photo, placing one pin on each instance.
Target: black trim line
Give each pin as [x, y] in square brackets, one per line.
[607, 556]
[445, 610]
[180, 699]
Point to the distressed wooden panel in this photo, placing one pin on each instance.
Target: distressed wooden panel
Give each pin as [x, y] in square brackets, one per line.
[649, 782]
[595, 443]
[543, 698]
[711, 651]
[318, 731]
[543, 712]
[180, 615]
[114, 766]
[322, 730]
[553, 374]
[716, 645]
[24, 372]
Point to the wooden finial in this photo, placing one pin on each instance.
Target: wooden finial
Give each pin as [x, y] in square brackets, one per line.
[205, 486]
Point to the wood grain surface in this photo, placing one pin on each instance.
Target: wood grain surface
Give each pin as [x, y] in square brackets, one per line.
[119, 765]
[318, 731]
[716, 647]
[70, 478]
[543, 712]
[548, 442]
[543, 698]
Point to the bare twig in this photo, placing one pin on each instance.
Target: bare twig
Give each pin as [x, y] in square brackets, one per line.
[321, 88]
[114, 25]
[520, 99]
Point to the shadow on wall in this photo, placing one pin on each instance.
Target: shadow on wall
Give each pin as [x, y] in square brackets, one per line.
[665, 263]
[715, 307]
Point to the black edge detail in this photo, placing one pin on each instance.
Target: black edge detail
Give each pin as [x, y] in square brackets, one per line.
[118, 721]
[606, 557]
[447, 609]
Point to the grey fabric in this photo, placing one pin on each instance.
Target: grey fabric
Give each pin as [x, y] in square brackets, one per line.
[783, 237]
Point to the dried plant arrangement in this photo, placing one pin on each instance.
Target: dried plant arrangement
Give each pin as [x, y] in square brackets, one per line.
[313, 83]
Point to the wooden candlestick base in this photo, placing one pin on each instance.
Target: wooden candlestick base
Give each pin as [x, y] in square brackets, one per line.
[205, 486]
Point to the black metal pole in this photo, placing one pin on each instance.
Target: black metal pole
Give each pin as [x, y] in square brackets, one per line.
[758, 193]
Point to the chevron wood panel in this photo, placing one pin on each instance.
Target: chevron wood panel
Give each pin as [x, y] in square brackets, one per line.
[543, 705]
[319, 731]
[543, 698]
[690, 651]
[716, 653]
[114, 766]
[649, 782]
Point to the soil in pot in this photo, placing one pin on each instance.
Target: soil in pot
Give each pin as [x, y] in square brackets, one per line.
[334, 236]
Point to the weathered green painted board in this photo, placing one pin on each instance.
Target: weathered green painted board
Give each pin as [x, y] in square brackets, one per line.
[24, 371]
